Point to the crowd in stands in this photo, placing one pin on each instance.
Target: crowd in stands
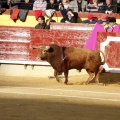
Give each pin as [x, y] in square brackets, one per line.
[75, 5]
[68, 9]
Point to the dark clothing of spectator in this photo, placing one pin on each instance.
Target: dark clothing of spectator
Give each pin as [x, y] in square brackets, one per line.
[27, 6]
[14, 3]
[56, 1]
[101, 21]
[79, 6]
[41, 26]
[72, 20]
[54, 6]
[23, 14]
[89, 21]
[3, 4]
[101, 0]
[111, 7]
[118, 9]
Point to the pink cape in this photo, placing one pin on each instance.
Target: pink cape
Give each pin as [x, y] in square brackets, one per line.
[116, 28]
[91, 42]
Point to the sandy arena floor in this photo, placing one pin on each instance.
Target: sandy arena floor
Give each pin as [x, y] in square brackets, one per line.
[23, 98]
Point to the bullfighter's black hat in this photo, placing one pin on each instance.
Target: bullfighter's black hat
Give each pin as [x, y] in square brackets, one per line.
[112, 19]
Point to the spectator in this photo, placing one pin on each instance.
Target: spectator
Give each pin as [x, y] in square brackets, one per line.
[94, 6]
[52, 4]
[90, 1]
[39, 5]
[115, 1]
[3, 4]
[108, 7]
[59, 1]
[118, 3]
[13, 3]
[90, 20]
[103, 20]
[64, 6]
[78, 5]
[26, 4]
[112, 24]
[41, 23]
[69, 18]
[48, 22]
[101, 1]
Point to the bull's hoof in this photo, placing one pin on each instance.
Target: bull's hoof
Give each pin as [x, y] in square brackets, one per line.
[60, 81]
[65, 83]
[97, 82]
[86, 83]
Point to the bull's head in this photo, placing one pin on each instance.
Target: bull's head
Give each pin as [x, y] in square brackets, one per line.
[43, 52]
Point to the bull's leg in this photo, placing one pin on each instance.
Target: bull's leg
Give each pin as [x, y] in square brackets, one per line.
[97, 74]
[56, 75]
[66, 76]
[97, 77]
[91, 76]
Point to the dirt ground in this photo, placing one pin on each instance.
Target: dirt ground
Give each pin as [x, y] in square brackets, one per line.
[23, 98]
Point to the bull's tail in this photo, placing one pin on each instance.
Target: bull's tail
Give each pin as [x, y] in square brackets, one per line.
[103, 58]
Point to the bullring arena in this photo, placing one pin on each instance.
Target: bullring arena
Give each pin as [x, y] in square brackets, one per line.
[28, 90]
[40, 98]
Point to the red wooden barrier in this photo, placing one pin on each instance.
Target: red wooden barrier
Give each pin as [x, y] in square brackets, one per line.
[16, 43]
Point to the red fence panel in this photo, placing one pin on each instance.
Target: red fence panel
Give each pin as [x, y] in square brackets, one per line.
[16, 42]
[109, 42]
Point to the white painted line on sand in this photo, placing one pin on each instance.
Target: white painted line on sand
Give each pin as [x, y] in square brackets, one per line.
[63, 90]
[66, 96]
[81, 91]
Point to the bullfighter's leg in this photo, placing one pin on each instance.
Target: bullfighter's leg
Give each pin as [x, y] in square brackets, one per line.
[56, 75]
[91, 76]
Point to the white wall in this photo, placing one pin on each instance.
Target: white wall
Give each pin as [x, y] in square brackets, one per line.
[37, 71]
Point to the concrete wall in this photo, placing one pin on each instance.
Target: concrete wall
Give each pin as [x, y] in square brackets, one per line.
[37, 71]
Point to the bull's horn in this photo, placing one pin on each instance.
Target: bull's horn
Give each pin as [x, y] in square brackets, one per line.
[47, 47]
[38, 47]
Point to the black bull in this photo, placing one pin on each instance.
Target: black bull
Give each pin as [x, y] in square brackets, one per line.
[62, 59]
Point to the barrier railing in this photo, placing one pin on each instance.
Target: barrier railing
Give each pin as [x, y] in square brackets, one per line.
[16, 44]
[71, 26]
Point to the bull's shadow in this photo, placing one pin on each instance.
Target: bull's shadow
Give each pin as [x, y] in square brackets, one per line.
[61, 77]
[53, 77]
[110, 78]
[105, 79]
